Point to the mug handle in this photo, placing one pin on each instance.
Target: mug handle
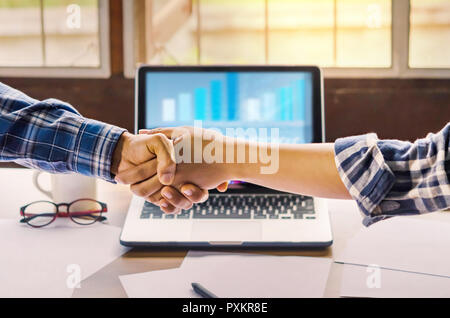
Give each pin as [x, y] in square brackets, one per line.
[36, 175]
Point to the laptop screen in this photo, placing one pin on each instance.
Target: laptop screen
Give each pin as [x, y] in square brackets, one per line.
[231, 99]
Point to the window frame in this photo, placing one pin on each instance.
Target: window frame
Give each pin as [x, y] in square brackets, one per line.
[103, 71]
[399, 50]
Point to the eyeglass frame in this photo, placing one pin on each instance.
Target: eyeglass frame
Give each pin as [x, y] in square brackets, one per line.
[67, 214]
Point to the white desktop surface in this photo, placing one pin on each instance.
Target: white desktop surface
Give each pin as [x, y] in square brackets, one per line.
[18, 190]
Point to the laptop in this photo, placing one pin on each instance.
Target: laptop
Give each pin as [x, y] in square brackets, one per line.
[288, 99]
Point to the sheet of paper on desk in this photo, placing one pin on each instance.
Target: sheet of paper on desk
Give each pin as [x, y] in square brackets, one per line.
[171, 283]
[364, 281]
[235, 275]
[252, 275]
[48, 262]
[412, 245]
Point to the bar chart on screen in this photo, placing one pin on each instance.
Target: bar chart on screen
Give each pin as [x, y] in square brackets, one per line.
[225, 99]
[234, 101]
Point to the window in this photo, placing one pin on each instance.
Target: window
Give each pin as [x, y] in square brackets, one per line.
[330, 33]
[429, 43]
[65, 38]
[348, 38]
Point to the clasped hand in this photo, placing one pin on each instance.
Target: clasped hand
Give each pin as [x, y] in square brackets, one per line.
[148, 163]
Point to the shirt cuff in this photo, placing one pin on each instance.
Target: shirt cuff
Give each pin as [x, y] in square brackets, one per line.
[365, 174]
[93, 149]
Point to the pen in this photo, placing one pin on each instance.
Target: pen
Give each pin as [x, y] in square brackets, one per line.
[202, 291]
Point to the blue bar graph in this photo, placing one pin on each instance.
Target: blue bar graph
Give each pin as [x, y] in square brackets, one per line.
[280, 101]
[289, 107]
[269, 106]
[216, 100]
[223, 99]
[233, 95]
[300, 106]
[285, 104]
[200, 103]
[185, 107]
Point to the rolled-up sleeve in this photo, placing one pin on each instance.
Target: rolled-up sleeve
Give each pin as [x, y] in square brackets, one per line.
[390, 177]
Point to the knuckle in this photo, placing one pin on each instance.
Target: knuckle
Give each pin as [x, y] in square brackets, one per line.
[169, 209]
[137, 191]
[204, 197]
[156, 197]
[195, 198]
[183, 203]
[142, 191]
[197, 195]
[121, 179]
[146, 171]
[140, 172]
[160, 138]
[177, 201]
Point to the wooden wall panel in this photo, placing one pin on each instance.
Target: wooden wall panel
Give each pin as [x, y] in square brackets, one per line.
[394, 108]
[109, 100]
[404, 109]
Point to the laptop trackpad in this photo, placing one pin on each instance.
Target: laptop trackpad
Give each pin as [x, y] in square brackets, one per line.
[226, 231]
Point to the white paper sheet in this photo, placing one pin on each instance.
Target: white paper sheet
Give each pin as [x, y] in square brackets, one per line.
[363, 281]
[171, 283]
[47, 262]
[412, 245]
[235, 275]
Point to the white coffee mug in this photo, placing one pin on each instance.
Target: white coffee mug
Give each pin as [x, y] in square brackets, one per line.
[66, 188]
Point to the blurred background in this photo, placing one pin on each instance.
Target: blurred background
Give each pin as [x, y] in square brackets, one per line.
[386, 62]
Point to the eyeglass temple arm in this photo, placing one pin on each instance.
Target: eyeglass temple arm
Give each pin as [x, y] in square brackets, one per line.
[26, 219]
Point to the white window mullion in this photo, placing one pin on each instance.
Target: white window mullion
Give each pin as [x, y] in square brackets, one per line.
[105, 46]
[43, 38]
[400, 36]
[129, 55]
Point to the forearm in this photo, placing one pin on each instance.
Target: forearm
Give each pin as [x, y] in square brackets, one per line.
[308, 169]
[51, 135]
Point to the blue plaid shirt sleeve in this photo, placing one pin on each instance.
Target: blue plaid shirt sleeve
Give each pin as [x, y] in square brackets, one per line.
[390, 177]
[51, 135]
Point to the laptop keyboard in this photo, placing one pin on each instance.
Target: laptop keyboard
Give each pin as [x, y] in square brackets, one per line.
[256, 206]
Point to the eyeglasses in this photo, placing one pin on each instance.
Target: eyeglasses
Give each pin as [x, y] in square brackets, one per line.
[83, 212]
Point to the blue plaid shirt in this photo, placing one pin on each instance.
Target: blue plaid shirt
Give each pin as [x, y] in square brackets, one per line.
[391, 177]
[51, 135]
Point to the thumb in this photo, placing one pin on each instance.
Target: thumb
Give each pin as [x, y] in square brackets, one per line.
[164, 151]
[171, 133]
[168, 132]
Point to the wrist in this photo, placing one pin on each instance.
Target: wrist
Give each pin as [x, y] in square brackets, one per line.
[119, 153]
[230, 171]
[238, 169]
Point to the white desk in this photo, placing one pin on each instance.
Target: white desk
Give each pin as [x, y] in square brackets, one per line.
[18, 190]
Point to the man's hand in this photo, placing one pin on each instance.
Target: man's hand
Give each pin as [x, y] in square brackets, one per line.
[151, 157]
[133, 150]
[205, 176]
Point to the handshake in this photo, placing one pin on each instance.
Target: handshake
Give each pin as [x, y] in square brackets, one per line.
[163, 176]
